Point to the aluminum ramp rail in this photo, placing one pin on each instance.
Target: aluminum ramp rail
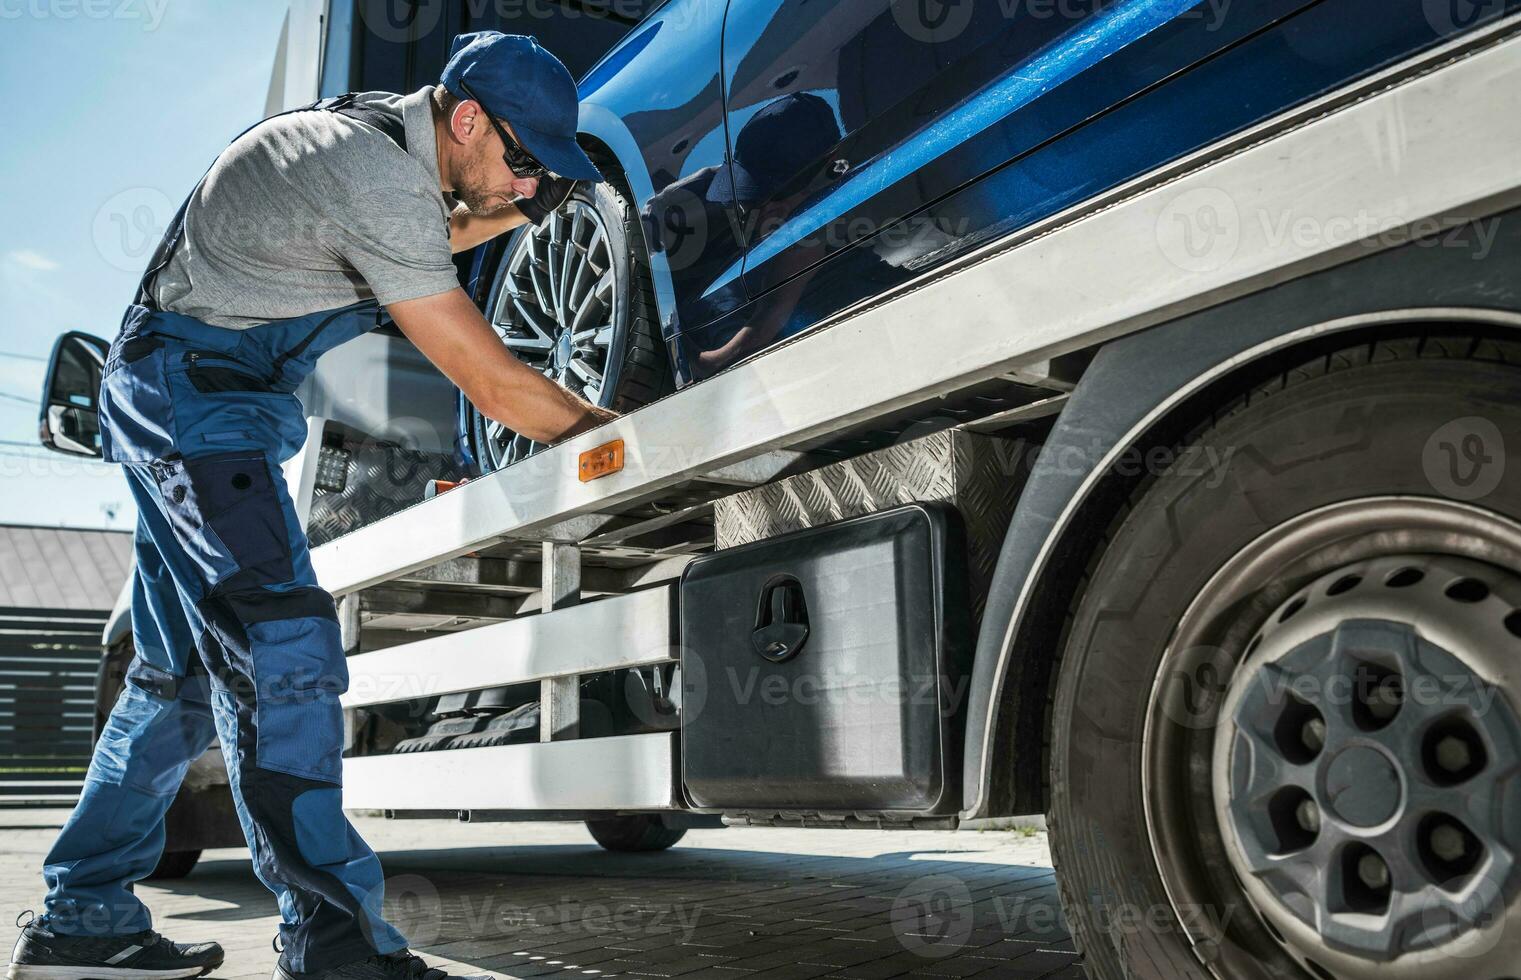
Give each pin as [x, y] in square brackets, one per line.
[1432, 138]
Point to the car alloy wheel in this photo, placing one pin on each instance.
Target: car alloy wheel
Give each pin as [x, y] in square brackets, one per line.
[555, 309]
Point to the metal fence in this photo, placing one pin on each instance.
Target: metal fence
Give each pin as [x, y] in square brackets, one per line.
[48, 661]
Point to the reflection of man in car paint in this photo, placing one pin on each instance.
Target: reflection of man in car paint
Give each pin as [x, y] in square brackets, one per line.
[785, 138]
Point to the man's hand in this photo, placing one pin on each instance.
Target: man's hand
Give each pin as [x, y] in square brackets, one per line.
[553, 192]
[467, 229]
[595, 416]
[451, 333]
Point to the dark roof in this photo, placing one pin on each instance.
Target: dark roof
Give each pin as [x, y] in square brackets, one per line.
[62, 568]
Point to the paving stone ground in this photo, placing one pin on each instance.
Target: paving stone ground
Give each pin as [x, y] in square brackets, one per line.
[541, 900]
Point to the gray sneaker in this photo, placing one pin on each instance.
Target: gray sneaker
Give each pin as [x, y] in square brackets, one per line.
[42, 954]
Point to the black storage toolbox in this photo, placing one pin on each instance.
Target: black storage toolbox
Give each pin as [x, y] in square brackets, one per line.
[823, 671]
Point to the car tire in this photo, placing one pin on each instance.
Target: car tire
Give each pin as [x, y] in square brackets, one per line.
[637, 833]
[173, 865]
[538, 313]
[1148, 853]
[110, 678]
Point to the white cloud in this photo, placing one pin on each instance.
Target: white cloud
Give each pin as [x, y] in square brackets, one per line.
[28, 259]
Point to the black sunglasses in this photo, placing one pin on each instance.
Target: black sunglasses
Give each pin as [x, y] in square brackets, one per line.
[518, 159]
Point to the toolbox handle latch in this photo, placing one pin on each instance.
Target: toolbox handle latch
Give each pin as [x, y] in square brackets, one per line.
[781, 624]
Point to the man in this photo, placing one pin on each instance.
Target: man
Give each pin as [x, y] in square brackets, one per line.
[301, 230]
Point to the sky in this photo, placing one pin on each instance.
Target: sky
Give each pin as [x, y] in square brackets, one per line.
[112, 110]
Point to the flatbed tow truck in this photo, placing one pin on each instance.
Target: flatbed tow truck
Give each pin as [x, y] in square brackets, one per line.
[1181, 459]
[1338, 238]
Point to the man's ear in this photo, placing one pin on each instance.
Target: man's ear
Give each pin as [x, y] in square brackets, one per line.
[466, 121]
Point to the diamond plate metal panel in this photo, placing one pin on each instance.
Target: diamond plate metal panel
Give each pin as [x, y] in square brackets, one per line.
[382, 479]
[980, 475]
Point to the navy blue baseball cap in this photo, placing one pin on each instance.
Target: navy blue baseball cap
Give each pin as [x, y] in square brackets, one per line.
[519, 81]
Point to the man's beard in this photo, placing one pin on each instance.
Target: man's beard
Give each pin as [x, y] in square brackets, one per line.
[480, 201]
[472, 191]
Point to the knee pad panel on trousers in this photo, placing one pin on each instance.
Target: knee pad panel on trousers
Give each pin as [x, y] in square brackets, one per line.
[228, 516]
[282, 658]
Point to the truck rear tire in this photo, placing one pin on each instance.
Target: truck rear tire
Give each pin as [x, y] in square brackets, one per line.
[1218, 809]
[640, 832]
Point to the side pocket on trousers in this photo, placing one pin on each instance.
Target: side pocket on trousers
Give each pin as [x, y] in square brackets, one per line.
[227, 512]
[137, 418]
[299, 675]
[210, 379]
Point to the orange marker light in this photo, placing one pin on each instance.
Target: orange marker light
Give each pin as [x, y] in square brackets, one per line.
[602, 461]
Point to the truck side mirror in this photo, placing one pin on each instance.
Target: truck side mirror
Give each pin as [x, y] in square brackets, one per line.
[70, 421]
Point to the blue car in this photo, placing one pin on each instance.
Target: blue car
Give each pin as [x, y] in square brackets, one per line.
[772, 162]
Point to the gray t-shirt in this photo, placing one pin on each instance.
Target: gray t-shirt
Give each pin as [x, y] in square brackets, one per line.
[313, 211]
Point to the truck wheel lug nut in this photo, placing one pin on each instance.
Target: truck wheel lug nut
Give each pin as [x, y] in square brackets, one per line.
[1453, 755]
[1447, 843]
[1313, 735]
[1308, 816]
[1384, 702]
[1373, 872]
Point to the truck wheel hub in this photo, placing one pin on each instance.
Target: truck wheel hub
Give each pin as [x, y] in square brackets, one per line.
[1367, 773]
[1363, 786]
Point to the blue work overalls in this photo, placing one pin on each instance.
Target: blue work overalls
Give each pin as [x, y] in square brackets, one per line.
[234, 638]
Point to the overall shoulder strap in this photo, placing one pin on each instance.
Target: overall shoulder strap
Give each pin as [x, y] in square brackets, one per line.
[389, 123]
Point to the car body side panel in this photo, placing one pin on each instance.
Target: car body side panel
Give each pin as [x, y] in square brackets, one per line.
[1322, 48]
[656, 100]
[929, 105]
[814, 85]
